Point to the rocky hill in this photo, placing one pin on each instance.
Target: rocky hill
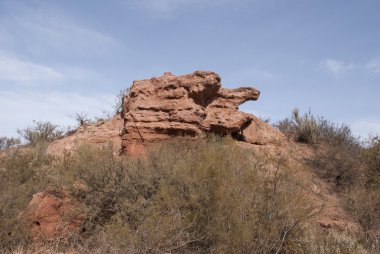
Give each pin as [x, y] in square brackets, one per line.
[157, 166]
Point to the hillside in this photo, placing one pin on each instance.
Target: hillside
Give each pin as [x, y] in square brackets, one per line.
[182, 170]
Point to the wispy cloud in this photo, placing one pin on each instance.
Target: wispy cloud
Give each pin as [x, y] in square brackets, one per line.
[374, 66]
[48, 27]
[48, 106]
[14, 69]
[336, 67]
[64, 31]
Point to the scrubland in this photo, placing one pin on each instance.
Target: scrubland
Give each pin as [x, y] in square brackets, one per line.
[204, 196]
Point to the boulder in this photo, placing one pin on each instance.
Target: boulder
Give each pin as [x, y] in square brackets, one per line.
[190, 105]
[51, 215]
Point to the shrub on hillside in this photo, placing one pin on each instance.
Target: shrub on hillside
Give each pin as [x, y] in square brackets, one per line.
[338, 151]
[202, 196]
[353, 169]
[311, 129]
[40, 132]
[20, 178]
[364, 202]
[303, 128]
[371, 156]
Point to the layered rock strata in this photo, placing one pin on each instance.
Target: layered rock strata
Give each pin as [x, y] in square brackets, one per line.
[190, 105]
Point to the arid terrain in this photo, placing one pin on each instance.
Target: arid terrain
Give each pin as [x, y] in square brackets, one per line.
[179, 169]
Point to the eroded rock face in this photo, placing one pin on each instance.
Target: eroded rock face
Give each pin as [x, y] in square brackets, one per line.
[51, 216]
[190, 105]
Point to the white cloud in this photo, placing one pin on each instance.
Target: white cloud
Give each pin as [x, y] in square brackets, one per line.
[14, 69]
[18, 110]
[337, 68]
[374, 66]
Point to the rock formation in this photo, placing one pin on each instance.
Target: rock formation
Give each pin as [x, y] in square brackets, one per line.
[100, 134]
[191, 105]
[51, 215]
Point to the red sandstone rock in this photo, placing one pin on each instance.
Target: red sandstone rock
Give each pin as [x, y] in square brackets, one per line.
[190, 105]
[99, 134]
[51, 216]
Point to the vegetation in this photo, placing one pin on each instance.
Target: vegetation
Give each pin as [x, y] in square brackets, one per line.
[82, 119]
[205, 196]
[202, 197]
[353, 168]
[118, 106]
[41, 132]
[338, 152]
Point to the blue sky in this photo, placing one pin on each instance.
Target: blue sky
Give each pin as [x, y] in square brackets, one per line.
[58, 58]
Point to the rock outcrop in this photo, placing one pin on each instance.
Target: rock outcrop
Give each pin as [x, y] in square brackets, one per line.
[99, 134]
[50, 216]
[190, 105]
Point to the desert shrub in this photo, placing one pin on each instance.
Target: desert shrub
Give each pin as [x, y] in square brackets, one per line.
[311, 129]
[40, 132]
[6, 143]
[331, 242]
[208, 196]
[287, 127]
[82, 119]
[104, 178]
[371, 156]
[340, 163]
[306, 127]
[303, 128]
[201, 196]
[364, 202]
[338, 151]
[339, 155]
[19, 180]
